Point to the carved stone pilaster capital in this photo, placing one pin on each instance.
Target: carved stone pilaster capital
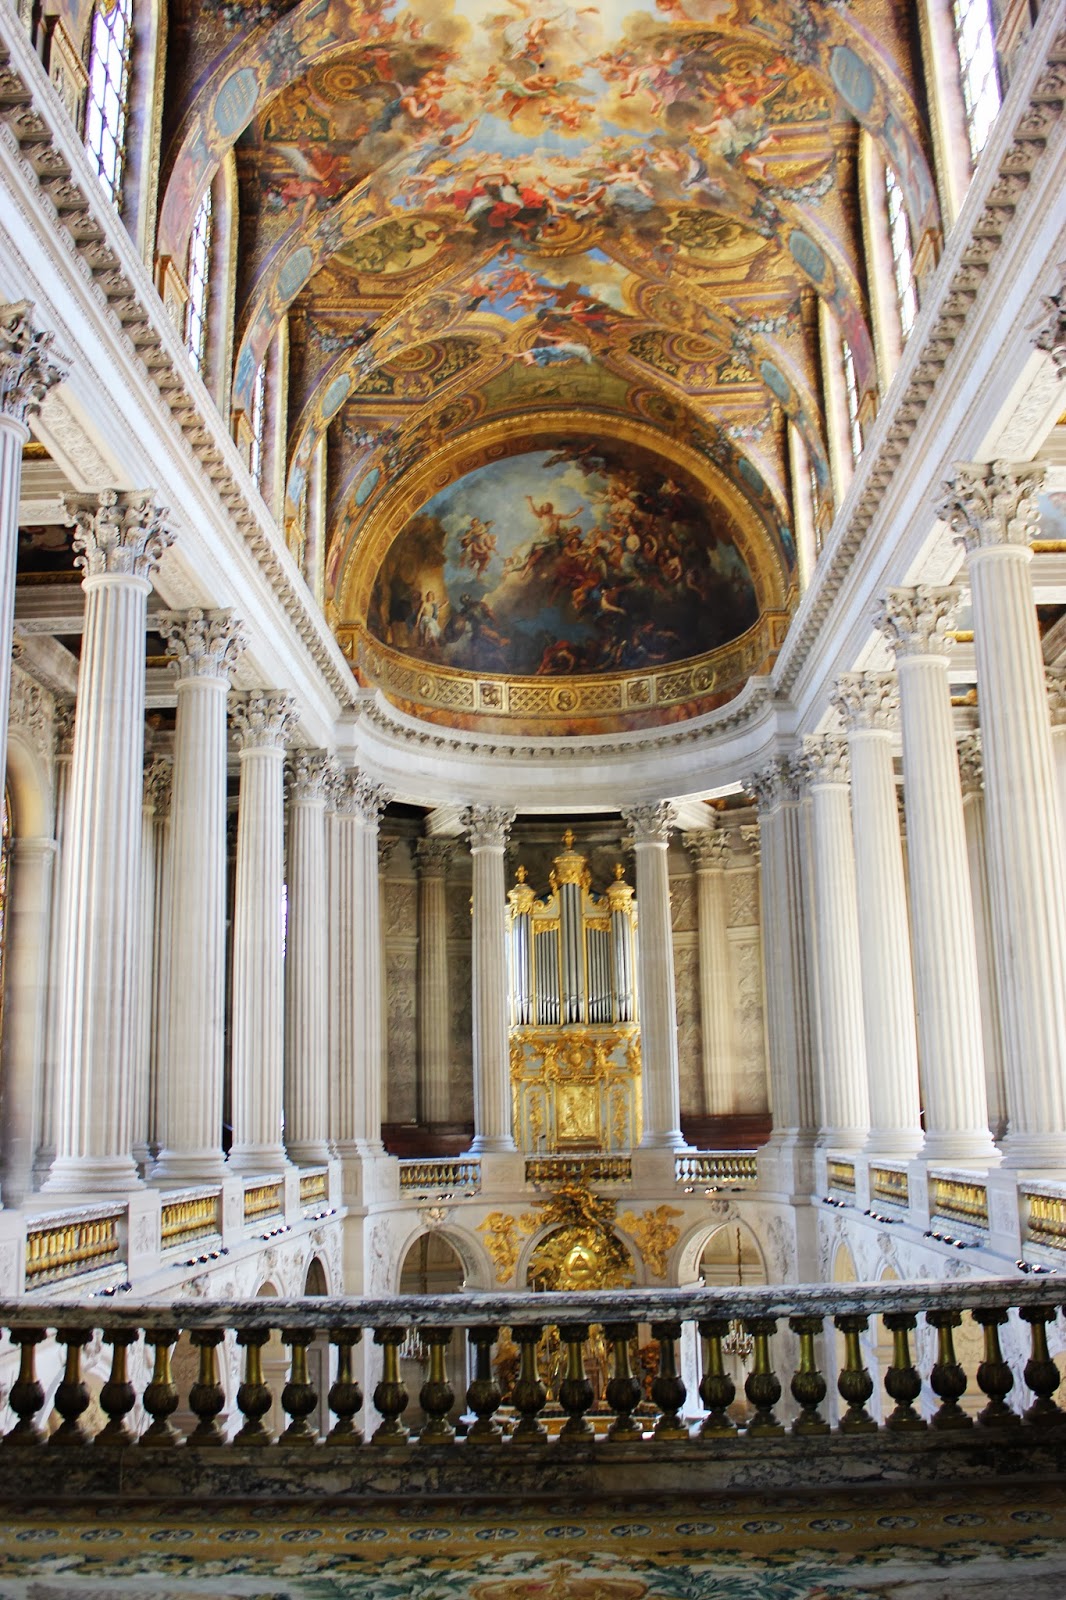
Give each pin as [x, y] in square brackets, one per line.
[487, 826]
[1049, 333]
[778, 781]
[386, 851]
[262, 721]
[866, 700]
[118, 533]
[310, 777]
[63, 727]
[204, 644]
[826, 759]
[651, 824]
[355, 795]
[434, 856]
[1055, 677]
[158, 777]
[29, 366]
[986, 506]
[971, 764]
[916, 621]
[751, 834]
[708, 847]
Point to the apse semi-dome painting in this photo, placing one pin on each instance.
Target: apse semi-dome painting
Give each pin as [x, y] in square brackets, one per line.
[559, 562]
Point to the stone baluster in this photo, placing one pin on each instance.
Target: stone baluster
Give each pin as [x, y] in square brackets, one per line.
[29, 368]
[971, 773]
[656, 998]
[994, 512]
[867, 703]
[359, 1039]
[206, 647]
[261, 723]
[845, 1113]
[434, 1007]
[119, 538]
[307, 996]
[487, 827]
[709, 850]
[916, 623]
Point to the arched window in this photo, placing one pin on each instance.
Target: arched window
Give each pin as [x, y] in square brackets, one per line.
[899, 233]
[198, 282]
[108, 97]
[258, 422]
[851, 392]
[977, 69]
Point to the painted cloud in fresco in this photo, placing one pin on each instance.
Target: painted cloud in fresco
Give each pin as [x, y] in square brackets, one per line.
[562, 561]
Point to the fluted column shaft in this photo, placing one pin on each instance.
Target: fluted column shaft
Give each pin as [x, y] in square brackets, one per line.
[1056, 686]
[26, 932]
[487, 827]
[994, 511]
[971, 771]
[710, 852]
[657, 999]
[359, 1038]
[434, 1001]
[845, 1110]
[945, 951]
[156, 797]
[206, 648]
[867, 703]
[261, 723]
[53, 1030]
[307, 996]
[120, 538]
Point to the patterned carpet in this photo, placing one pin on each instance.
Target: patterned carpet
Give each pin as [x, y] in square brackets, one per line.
[917, 1547]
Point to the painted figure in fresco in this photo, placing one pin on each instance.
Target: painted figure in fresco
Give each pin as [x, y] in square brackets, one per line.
[554, 350]
[427, 622]
[478, 546]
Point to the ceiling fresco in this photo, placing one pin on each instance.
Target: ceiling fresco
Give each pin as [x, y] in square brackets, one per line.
[469, 211]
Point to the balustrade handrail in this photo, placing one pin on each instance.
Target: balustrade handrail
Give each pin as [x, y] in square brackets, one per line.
[458, 1310]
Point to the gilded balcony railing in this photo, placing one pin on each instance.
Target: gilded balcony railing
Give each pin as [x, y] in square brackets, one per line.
[262, 1200]
[69, 1246]
[442, 1175]
[547, 1172]
[717, 1167]
[187, 1218]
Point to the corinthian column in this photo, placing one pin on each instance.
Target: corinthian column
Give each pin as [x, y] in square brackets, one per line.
[29, 368]
[915, 622]
[119, 539]
[971, 771]
[845, 1102]
[660, 1075]
[434, 1008]
[487, 827]
[261, 723]
[994, 512]
[709, 850]
[867, 703]
[359, 1041]
[206, 647]
[306, 956]
[154, 810]
[1055, 678]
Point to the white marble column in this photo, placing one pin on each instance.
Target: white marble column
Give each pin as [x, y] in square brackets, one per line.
[916, 621]
[777, 788]
[53, 1030]
[868, 703]
[26, 933]
[709, 850]
[154, 811]
[206, 647]
[359, 1038]
[29, 368]
[487, 828]
[434, 1000]
[845, 1106]
[119, 538]
[971, 772]
[261, 724]
[656, 996]
[993, 510]
[307, 996]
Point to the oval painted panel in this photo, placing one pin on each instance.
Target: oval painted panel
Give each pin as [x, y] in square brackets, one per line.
[235, 102]
[336, 395]
[574, 560]
[854, 80]
[366, 488]
[779, 385]
[294, 274]
[807, 255]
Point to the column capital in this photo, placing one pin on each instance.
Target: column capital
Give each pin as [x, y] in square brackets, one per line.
[1055, 678]
[355, 795]
[971, 764]
[29, 367]
[779, 780]
[826, 759]
[386, 851]
[434, 856]
[262, 721]
[1049, 334]
[310, 776]
[63, 726]
[916, 621]
[204, 644]
[118, 533]
[986, 506]
[751, 834]
[708, 847]
[487, 826]
[651, 824]
[867, 701]
[158, 775]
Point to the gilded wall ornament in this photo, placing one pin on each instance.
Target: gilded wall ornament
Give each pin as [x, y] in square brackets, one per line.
[654, 1234]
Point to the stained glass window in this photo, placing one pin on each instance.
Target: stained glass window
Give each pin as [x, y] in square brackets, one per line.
[977, 66]
[108, 97]
[199, 272]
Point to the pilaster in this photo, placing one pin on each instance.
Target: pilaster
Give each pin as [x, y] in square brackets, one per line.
[650, 827]
[487, 828]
